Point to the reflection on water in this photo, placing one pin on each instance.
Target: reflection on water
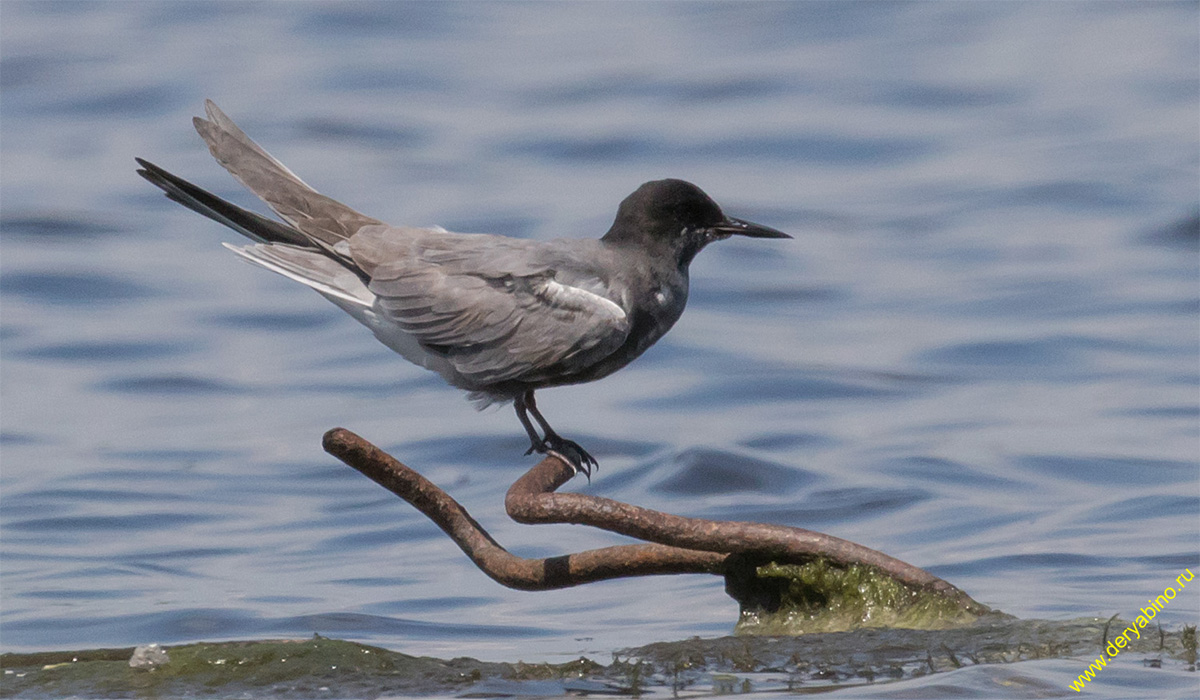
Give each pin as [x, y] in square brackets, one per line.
[979, 354]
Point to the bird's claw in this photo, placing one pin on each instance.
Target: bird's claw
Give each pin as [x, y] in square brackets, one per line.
[568, 451]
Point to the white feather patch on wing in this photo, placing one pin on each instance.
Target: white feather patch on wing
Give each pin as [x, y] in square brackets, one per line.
[308, 268]
[577, 299]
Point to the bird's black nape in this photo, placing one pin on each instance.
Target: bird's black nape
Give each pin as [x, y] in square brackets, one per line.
[660, 210]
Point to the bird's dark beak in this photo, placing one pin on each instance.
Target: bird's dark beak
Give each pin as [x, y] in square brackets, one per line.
[737, 227]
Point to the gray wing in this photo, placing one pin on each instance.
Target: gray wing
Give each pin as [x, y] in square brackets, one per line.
[316, 215]
[496, 308]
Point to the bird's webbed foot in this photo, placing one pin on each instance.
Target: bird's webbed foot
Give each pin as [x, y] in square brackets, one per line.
[568, 451]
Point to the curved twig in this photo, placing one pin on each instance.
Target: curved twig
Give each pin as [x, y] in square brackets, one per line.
[681, 545]
[531, 500]
[495, 561]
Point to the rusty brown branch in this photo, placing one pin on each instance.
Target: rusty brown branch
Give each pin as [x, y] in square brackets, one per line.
[495, 561]
[681, 545]
[531, 500]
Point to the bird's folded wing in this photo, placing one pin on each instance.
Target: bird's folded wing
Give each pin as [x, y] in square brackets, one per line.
[500, 327]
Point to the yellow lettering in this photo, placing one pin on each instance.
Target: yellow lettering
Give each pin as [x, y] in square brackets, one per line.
[1124, 640]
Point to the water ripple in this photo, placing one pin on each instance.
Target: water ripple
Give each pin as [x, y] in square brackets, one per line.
[1112, 471]
[778, 386]
[103, 351]
[817, 150]
[822, 508]
[268, 321]
[56, 227]
[82, 289]
[701, 471]
[1144, 508]
[169, 385]
[342, 130]
[114, 523]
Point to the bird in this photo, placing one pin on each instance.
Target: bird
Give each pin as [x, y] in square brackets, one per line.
[497, 316]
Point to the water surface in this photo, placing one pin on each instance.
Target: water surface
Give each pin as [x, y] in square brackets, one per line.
[978, 355]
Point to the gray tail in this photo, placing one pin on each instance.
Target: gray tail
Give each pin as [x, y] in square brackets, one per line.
[256, 227]
[318, 217]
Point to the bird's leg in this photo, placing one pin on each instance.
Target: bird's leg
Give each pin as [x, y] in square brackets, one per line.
[569, 450]
[536, 443]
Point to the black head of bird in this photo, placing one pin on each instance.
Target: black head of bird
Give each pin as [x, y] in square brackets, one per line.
[677, 218]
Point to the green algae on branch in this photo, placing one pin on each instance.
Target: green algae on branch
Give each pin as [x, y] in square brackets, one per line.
[818, 596]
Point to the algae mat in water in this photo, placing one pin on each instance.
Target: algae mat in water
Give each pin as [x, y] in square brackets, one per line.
[284, 668]
[328, 668]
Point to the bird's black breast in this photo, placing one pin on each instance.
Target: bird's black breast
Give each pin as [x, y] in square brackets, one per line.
[652, 315]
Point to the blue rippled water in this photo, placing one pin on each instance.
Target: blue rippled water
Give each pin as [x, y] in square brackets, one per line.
[980, 354]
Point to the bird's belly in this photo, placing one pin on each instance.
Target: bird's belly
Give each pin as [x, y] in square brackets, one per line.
[407, 346]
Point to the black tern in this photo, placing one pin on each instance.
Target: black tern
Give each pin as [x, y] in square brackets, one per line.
[499, 317]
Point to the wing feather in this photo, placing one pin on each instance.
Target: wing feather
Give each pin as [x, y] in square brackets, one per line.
[499, 328]
[311, 268]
